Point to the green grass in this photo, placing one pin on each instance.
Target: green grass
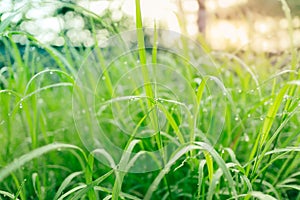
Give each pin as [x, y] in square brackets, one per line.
[229, 123]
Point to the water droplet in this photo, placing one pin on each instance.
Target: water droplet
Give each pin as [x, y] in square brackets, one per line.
[249, 115]
[261, 118]
[197, 80]
[40, 101]
[20, 105]
[9, 93]
[240, 91]
[83, 111]
[236, 118]
[246, 137]
[51, 72]
[138, 61]
[251, 91]
[125, 63]
[286, 96]
[103, 78]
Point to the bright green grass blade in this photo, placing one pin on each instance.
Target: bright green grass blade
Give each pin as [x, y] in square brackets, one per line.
[122, 167]
[33, 154]
[83, 190]
[216, 180]
[172, 122]
[143, 61]
[37, 185]
[89, 176]
[65, 183]
[271, 115]
[140, 33]
[267, 125]
[72, 191]
[183, 150]
[210, 166]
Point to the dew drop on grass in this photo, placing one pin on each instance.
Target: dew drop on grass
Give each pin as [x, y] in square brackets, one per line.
[125, 63]
[261, 118]
[40, 101]
[239, 91]
[249, 115]
[236, 118]
[103, 78]
[21, 106]
[51, 72]
[9, 93]
[245, 137]
[132, 98]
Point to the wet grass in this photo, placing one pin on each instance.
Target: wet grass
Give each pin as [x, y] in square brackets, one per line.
[230, 121]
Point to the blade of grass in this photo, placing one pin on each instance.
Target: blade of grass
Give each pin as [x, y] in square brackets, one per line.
[17, 163]
[65, 183]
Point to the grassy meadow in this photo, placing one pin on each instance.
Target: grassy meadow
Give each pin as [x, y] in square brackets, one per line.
[147, 117]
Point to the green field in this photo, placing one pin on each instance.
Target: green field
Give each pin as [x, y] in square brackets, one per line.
[153, 115]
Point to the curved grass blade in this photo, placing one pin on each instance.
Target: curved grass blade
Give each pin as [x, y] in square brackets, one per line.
[183, 150]
[17, 163]
[65, 183]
